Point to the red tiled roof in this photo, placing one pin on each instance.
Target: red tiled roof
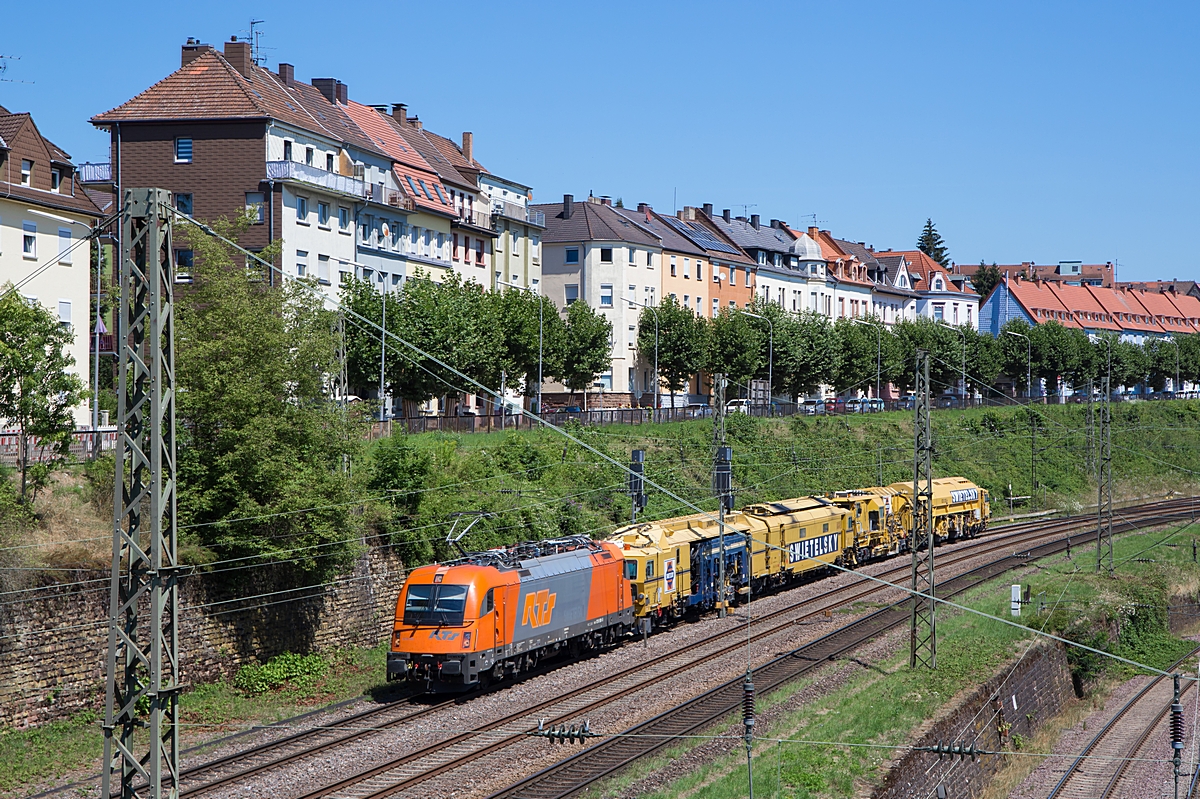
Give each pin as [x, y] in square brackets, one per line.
[410, 168]
[1089, 313]
[1189, 308]
[1168, 316]
[924, 268]
[1041, 302]
[1126, 310]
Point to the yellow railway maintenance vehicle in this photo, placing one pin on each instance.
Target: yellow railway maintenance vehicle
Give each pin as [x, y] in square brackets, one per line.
[960, 508]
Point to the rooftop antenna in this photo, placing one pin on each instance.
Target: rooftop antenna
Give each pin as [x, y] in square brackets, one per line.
[4, 59]
[746, 208]
[255, 39]
[813, 217]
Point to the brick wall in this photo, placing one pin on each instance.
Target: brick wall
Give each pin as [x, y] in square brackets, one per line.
[53, 649]
[1039, 687]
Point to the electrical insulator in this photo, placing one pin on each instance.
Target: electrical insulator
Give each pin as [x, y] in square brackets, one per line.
[1176, 726]
[748, 706]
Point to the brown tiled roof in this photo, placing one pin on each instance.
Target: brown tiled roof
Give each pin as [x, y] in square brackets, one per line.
[1177, 286]
[670, 238]
[10, 125]
[79, 202]
[331, 118]
[439, 163]
[210, 88]
[592, 222]
[1101, 272]
[408, 162]
[452, 151]
[1189, 308]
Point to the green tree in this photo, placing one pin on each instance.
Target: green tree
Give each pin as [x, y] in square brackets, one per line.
[682, 343]
[517, 314]
[860, 352]
[806, 355]
[737, 348]
[1130, 366]
[945, 350]
[1189, 358]
[1161, 356]
[931, 243]
[398, 470]
[37, 392]
[986, 279]
[1014, 352]
[262, 446]
[1055, 354]
[983, 360]
[586, 347]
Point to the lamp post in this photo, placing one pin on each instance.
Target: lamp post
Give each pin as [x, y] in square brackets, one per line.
[654, 311]
[539, 299]
[770, 356]
[1175, 386]
[960, 332]
[878, 348]
[1032, 422]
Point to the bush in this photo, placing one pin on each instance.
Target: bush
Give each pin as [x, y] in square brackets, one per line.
[299, 672]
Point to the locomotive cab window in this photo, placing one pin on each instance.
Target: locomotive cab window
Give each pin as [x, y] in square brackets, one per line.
[874, 518]
[435, 604]
[489, 603]
[649, 569]
[631, 570]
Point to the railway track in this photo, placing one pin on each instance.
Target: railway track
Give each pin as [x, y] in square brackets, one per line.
[613, 754]
[1099, 768]
[407, 771]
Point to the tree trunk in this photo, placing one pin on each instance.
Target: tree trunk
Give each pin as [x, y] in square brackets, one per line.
[23, 460]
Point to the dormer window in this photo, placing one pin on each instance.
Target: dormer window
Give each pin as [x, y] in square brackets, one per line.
[26, 173]
[55, 179]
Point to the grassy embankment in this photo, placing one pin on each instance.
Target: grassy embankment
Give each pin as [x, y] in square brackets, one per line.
[878, 710]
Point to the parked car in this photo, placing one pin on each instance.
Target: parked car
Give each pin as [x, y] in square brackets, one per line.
[813, 407]
[738, 406]
[573, 409]
[875, 405]
[948, 401]
[907, 402]
[856, 405]
[835, 405]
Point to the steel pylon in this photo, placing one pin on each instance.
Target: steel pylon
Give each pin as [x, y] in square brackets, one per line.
[923, 621]
[143, 677]
[1104, 502]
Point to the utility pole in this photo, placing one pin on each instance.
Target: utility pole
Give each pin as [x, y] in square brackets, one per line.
[1091, 428]
[1177, 732]
[141, 736]
[637, 482]
[382, 355]
[722, 482]
[922, 623]
[1104, 506]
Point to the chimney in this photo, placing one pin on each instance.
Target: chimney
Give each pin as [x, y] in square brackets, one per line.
[725, 215]
[400, 112]
[343, 93]
[775, 223]
[192, 50]
[327, 87]
[754, 221]
[238, 55]
[689, 213]
[813, 232]
[468, 147]
[568, 206]
[708, 210]
[287, 74]
[606, 200]
[415, 122]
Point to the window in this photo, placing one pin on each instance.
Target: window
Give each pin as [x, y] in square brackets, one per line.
[425, 188]
[748, 276]
[29, 239]
[323, 269]
[183, 203]
[631, 256]
[308, 156]
[183, 266]
[302, 210]
[762, 257]
[732, 275]
[328, 162]
[55, 179]
[343, 218]
[26, 173]
[939, 311]
[454, 247]
[606, 295]
[572, 255]
[716, 306]
[632, 344]
[649, 569]
[968, 315]
[733, 304]
[672, 266]
[572, 293]
[516, 247]
[699, 270]
[687, 268]
[301, 263]
[649, 260]
[64, 313]
[323, 214]
[479, 252]
[699, 310]
[606, 255]
[64, 245]
[287, 151]
[687, 302]
[631, 570]
[183, 151]
[255, 205]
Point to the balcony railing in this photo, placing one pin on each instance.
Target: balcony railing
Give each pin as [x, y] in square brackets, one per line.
[95, 173]
[476, 218]
[385, 196]
[518, 212]
[303, 173]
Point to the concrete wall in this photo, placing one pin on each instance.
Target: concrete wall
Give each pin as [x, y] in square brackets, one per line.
[1039, 686]
[53, 648]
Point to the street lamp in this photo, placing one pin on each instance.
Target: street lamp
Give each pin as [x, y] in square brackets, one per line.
[1175, 386]
[95, 331]
[1029, 362]
[960, 332]
[539, 299]
[631, 301]
[878, 347]
[770, 356]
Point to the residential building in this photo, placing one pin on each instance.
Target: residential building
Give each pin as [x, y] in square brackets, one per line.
[227, 137]
[893, 297]
[734, 270]
[850, 275]
[1188, 287]
[1072, 273]
[939, 297]
[592, 253]
[45, 219]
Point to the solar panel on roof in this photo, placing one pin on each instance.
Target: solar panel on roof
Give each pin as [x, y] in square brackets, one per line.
[700, 235]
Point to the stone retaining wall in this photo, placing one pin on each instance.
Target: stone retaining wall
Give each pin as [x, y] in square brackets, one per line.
[54, 641]
[1007, 706]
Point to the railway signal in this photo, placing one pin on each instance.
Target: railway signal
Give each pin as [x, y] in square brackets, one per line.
[637, 481]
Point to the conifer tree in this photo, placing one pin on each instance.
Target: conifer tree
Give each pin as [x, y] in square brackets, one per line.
[931, 244]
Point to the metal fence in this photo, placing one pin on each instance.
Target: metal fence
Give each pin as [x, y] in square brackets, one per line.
[83, 446]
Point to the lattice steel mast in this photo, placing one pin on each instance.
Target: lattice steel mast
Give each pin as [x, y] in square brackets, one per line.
[923, 623]
[142, 689]
[1104, 502]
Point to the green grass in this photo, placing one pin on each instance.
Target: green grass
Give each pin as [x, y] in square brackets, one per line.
[43, 754]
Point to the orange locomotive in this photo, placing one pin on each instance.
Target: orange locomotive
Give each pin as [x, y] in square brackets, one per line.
[491, 615]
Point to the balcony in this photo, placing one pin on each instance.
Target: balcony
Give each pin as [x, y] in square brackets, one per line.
[518, 212]
[311, 176]
[106, 343]
[95, 173]
[385, 196]
[474, 218]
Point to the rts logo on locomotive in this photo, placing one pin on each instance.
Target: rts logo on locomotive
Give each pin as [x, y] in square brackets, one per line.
[539, 607]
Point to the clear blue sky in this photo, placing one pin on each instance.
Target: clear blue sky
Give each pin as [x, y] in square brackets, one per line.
[1027, 131]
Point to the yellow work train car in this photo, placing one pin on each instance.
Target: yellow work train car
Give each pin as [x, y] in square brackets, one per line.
[873, 530]
[961, 509]
[792, 537]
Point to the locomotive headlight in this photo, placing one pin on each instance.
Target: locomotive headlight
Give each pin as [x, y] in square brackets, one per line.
[396, 634]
